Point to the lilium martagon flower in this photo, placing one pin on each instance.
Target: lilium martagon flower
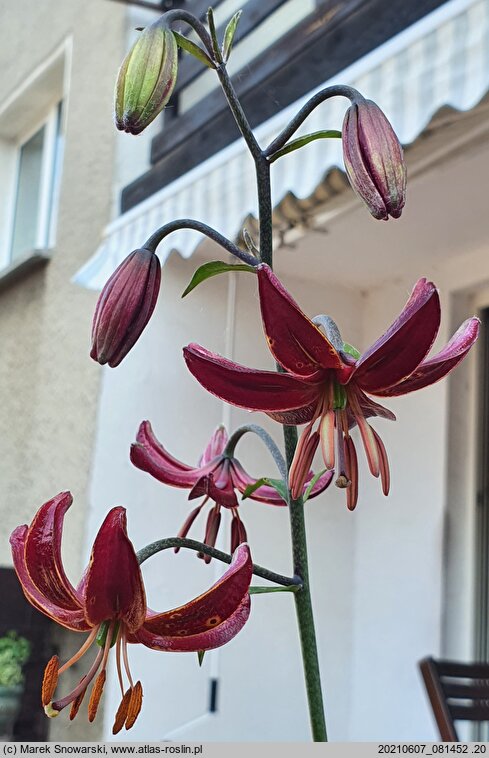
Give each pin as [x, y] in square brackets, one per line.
[110, 604]
[125, 306]
[374, 160]
[217, 478]
[327, 383]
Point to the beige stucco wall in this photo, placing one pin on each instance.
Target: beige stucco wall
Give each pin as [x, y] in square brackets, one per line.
[48, 384]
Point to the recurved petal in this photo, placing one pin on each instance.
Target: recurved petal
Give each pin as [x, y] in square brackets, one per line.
[43, 553]
[263, 494]
[296, 343]
[215, 446]
[148, 454]
[148, 439]
[435, 368]
[209, 620]
[206, 640]
[248, 388]
[114, 586]
[370, 408]
[400, 350]
[71, 619]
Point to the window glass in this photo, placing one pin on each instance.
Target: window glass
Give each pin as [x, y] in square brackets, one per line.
[27, 201]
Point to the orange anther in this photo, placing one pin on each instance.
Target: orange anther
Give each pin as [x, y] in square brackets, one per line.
[50, 680]
[121, 715]
[135, 704]
[95, 696]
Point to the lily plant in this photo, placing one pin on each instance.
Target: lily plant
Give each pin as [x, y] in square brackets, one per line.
[321, 383]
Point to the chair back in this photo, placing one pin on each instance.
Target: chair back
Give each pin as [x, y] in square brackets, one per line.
[457, 692]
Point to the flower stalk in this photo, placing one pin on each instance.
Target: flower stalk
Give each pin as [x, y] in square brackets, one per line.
[199, 547]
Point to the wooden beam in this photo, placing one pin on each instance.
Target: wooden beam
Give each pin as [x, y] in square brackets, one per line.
[255, 12]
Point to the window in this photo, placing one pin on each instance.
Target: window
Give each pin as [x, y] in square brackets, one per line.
[31, 148]
[36, 174]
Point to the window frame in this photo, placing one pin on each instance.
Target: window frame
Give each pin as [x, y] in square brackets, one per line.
[45, 232]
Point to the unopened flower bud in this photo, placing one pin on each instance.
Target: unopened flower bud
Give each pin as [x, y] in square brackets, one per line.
[125, 306]
[374, 159]
[146, 78]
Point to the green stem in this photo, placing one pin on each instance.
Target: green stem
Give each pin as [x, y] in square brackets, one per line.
[180, 542]
[303, 602]
[198, 226]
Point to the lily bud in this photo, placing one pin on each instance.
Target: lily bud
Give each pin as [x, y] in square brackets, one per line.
[125, 306]
[374, 159]
[146, 79]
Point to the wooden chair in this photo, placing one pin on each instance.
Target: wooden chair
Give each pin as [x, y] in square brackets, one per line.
[457, 692]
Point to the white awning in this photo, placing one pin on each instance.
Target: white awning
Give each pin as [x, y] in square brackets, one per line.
[441, 60]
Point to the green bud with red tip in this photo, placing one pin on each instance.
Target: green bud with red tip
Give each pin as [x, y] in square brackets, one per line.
[146, 78]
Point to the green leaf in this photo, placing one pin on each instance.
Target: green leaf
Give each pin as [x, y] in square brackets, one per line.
[228, 38]
[212, 29]
[277, 484]
[266, 590]
[307, 493]
[296, 144]
[193, 49]
[213, 268]
[350, 350]
[200, 656]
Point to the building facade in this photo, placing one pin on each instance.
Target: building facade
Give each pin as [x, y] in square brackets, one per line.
[57, 156]
[400, 578]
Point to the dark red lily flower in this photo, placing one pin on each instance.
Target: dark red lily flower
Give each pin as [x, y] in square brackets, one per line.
[374, 159]
[327, 382]
[110, 604]
[217, 477]
[125, 306]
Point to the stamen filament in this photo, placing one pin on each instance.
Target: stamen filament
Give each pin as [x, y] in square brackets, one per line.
[118, 663]
[385, 476]
[60, 704]
[88, 642]
[126, 660]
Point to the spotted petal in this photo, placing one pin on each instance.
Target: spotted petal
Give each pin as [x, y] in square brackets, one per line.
[248, 388]
[43, 553]
[208, 621]
[69, 618]
[296, 343]
[434, 369]
[399, 351]
[114, 586]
